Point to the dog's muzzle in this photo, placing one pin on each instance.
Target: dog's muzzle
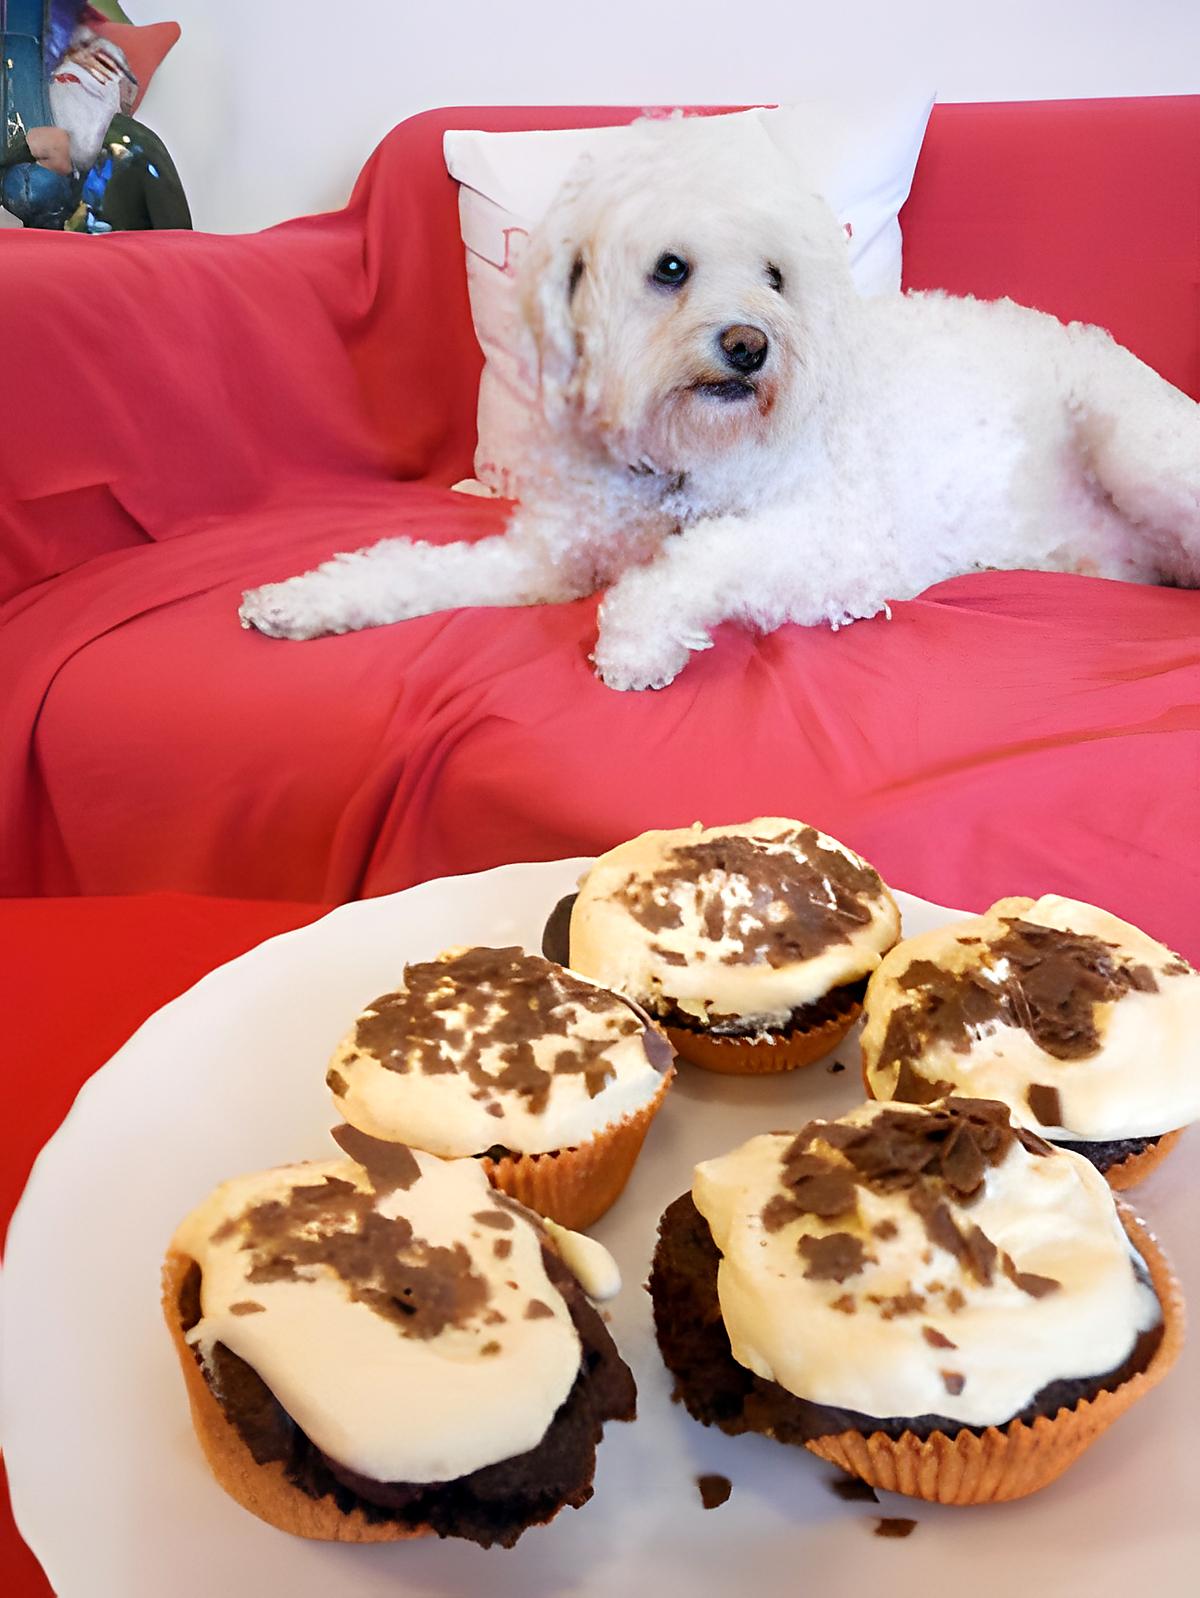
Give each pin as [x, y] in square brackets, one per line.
[743, 351]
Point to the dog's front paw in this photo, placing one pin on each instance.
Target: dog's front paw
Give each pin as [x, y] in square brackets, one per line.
[626, 669]
[283, 610]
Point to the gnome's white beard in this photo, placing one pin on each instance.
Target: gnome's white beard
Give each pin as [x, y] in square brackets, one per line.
[84, 108]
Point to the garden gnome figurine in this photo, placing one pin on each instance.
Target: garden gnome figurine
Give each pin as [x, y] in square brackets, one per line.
[74, 158]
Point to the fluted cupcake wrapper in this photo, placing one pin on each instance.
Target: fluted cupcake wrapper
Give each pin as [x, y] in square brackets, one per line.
[1129, 1172]
[1011, 1461]
[788, 1051]
[262, 1489]
[575, 1186]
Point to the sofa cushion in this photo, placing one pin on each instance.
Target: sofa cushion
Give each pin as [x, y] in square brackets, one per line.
[1006, 733]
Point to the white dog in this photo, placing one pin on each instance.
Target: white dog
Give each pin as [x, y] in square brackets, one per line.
[731, 432]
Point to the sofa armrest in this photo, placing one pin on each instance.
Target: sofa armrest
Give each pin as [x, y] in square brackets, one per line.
[154, 380]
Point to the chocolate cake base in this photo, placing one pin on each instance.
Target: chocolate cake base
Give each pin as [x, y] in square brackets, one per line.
[835, 1005]
[1105, 1155]
[492, 1505]
[717, 1391]
[556, 935]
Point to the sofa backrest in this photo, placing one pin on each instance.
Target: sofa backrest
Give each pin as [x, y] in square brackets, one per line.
[1089, 209]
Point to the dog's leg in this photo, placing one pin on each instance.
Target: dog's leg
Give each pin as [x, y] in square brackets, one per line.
[757, 571]
[1142, 441]
[658, 614]
[399, 579]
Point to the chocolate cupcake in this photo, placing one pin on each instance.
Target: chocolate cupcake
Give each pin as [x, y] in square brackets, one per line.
[750, 943]
[932, 1298]
[1085, 1027]
[549, 1080]
[390, 1351]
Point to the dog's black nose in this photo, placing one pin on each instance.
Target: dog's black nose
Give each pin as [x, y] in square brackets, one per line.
[744, 348]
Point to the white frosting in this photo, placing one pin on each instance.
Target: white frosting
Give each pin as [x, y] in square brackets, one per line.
[446, 1112]
[609, 943]
[391, 1406]
[589, 1262]
[1054, 1214]
[1144, 1079]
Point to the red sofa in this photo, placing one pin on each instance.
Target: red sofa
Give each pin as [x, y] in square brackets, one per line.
[189, 415]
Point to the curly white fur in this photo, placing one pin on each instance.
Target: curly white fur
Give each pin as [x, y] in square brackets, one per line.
[883, 445]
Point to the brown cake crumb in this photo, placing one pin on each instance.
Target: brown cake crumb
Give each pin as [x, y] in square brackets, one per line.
[895, 1526]
[714, 1490]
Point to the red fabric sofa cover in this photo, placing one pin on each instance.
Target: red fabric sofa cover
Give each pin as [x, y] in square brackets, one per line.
[190, 415]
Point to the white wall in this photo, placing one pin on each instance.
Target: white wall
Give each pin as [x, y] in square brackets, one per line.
[271, 106]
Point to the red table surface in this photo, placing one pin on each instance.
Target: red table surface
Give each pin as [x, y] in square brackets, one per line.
[95, 969]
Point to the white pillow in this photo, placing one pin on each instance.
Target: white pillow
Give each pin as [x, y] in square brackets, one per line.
[861, 155]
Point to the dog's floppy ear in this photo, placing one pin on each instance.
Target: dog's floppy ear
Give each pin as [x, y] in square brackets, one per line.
[552, 270]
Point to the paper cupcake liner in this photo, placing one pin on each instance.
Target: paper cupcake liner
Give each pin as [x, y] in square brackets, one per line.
[575, 1186]
[752, 1057]
[1014, 1460]
[1129, 1172]
[262, 1489]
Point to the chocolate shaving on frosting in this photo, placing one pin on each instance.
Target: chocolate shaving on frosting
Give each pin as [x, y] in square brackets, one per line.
[802, 897]
[1027, 1281]
[389, 1165]
[938, 1157]
[913, 1088]
[450, 1012]
[831, 1258]
[497, 1218]
[419, 1286]
[1046, 1103]
[1054, 982]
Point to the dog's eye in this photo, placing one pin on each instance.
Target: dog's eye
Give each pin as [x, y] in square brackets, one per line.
[671, 271]
[775, 277]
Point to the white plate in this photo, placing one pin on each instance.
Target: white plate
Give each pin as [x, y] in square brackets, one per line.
[108, 1484]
